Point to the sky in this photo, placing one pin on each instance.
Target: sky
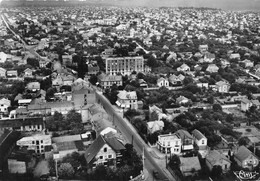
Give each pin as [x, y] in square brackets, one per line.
[241, 5]
[223, 4]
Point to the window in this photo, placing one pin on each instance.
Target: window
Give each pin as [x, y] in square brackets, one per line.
[101, 157]
[203, 142]
[41, 141]
[109, 156]
[33, 142]
[105, 149]
[225, 166]
[168, 143]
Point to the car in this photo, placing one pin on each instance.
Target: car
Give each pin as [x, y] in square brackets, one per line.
[155, 174]
[44, 177]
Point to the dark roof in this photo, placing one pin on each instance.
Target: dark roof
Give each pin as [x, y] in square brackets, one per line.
[115, 144]
[94, 148]
[243, 153]
[6, 123]
[92, 151]
[184, 134]
[197, 134]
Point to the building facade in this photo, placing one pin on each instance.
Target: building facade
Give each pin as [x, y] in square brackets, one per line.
[124, 65]
[35, 142]
[169, 143]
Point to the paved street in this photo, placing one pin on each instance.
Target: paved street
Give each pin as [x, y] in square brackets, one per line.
[128, 131]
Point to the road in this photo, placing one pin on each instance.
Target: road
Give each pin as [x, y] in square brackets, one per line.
[128, 132]
[27, 47]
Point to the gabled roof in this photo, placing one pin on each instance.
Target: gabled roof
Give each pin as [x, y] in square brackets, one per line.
[94, 148]
[183, 134]
[197, 134]
[216, 157]
[114, 144]
[243, 153]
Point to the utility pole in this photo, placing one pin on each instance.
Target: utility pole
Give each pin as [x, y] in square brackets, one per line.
[132, 140]
[56, 168]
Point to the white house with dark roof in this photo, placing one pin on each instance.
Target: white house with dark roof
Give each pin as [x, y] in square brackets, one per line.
[106, 151]
[245, 158]
[127, 100]
[162, 82]
[200, 139]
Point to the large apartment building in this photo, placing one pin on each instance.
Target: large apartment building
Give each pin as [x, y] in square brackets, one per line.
[124, 65]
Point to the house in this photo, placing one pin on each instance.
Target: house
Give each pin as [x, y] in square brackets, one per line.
[4, 104]
[162, 82]
[209, 57]
[186, 139]
[224, 148]
[182, 100]
[156, 113]
[106, 81]
[215, 158]
[234, 56]
[104, 150]
[67, 59]
[183, 68]
[246, 104]
[200, 139]
[33, 86]
[212, 68]
[3, 57]
[225, 63]
[222, 87]
[12, 73]
[82, 97]
[36, 142]
[93, 69]
[175, 80]
[142, 83]
[248, 63]
[154, 126]
[245, 158]
[169, 143]
[127, 100]
[23, 124]
[189, 166]
[28, 72]
[203, 48]
[2, 72]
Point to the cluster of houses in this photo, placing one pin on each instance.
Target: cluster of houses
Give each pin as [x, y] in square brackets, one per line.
[182, 141]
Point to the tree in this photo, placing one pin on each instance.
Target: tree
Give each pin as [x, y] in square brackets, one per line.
[54, 123]
[243, 141]
[33, 62]
[216, 171]
[75, 122]
[174, 162]
[65, 170]
[187, 80]
[216, 108]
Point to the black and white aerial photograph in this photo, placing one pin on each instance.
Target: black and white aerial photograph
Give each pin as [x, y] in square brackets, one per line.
[129, 90]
